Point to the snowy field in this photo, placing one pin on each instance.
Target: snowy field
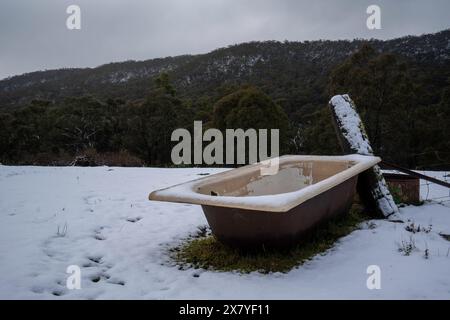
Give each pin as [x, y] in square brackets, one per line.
[100, 219]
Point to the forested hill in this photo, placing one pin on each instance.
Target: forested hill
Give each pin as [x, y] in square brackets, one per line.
[293, 72]
[124, 113]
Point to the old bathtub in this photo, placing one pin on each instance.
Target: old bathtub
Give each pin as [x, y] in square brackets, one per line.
[246, 209]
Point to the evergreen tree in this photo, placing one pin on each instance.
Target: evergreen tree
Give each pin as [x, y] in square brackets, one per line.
[250, 108]
[383, 91]
[152, 122]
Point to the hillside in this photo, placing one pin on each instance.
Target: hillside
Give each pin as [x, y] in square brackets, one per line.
[123, 114]
[277, 67]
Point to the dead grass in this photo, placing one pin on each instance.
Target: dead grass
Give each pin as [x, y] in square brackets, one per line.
[205, 251]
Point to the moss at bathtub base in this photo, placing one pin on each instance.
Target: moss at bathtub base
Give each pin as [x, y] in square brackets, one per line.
[208, 253]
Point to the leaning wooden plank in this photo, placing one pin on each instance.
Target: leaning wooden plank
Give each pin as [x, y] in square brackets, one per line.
[372, 187]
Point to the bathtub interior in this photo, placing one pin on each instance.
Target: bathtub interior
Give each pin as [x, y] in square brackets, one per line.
[292, 176]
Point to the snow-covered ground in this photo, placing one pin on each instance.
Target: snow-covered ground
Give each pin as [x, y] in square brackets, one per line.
[120, 239]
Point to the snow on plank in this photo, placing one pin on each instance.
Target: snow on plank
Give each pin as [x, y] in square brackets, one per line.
[353, 138]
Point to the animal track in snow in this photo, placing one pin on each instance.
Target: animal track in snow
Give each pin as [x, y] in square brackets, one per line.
[133, 220]
[102, 275]
[95, 259]
[98, 235]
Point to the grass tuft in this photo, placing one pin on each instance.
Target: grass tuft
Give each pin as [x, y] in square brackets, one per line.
[206, 252]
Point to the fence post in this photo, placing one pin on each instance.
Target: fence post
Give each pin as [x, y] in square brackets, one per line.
[371, 187]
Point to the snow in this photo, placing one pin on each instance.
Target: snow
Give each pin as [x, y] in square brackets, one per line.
[120, 238]
[383, 196]
[350, 122]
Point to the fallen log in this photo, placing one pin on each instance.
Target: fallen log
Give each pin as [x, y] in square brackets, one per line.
[371, 187]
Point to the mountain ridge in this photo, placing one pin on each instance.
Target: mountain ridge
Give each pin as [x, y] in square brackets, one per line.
[257, 62]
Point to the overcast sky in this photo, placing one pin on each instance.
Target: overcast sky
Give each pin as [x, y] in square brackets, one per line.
[34, 36]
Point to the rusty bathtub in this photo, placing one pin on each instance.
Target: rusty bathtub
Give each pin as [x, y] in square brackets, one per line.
[247, 209]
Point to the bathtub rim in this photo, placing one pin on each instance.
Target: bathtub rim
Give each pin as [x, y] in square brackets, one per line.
[282, 202]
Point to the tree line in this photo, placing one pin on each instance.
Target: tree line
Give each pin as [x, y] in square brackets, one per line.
[406, 115]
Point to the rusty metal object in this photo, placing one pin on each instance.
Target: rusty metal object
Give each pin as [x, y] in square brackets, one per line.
[403, 187]
[256, 229]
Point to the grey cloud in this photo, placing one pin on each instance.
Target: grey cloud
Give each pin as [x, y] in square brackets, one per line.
[33, 35]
